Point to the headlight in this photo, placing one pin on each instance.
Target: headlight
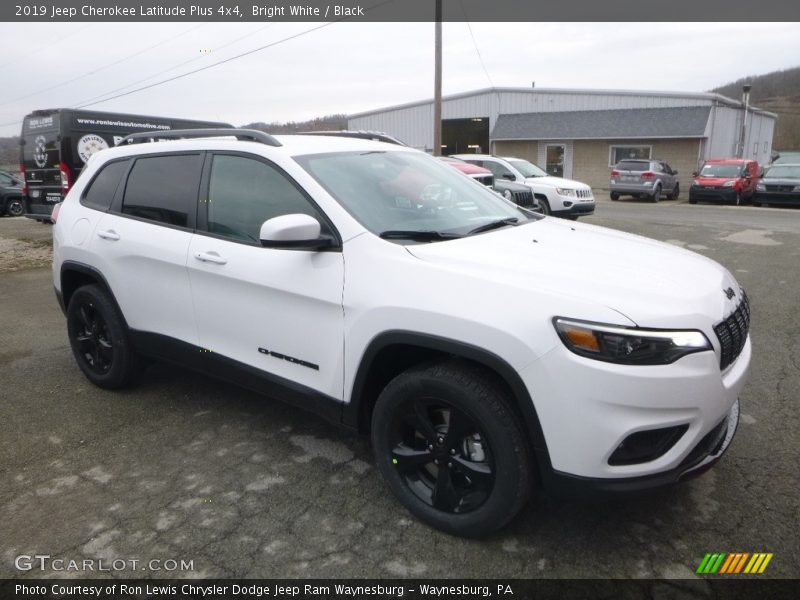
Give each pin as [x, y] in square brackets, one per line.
[796, 188]
[565, 192]
[761, 187]
[730, 183]
[695, 182]
[628, 345]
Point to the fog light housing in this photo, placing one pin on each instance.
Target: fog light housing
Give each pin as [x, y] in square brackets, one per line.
[646, 446]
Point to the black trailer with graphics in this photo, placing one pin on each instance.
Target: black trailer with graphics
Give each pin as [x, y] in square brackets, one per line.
[56, 143]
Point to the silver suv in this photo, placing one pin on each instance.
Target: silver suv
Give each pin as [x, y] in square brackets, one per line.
[644, 179]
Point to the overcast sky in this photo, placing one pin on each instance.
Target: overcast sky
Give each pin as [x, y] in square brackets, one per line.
[352, 67]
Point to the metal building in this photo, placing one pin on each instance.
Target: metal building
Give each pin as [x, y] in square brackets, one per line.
[580, 134]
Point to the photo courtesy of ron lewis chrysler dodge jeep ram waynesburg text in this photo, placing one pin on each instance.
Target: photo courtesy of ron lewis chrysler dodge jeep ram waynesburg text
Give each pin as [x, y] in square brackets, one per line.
[486, 349]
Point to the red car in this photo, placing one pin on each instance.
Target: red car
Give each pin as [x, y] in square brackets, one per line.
[730, 180]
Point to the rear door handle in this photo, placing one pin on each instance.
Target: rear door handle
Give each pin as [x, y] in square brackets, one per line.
[211, 257]
[109, 235]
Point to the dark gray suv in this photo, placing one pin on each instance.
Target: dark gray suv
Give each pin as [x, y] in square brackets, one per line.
[643, 178]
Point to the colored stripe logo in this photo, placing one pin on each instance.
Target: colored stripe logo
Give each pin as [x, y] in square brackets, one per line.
[734, 563]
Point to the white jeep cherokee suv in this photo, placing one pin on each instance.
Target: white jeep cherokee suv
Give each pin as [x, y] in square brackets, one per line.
[557, 196]
[486, 349]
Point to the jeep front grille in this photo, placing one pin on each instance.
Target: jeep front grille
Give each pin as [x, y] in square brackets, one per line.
[732, 333]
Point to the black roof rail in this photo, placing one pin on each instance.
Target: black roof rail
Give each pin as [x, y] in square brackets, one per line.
[376, 136]
[248, 135]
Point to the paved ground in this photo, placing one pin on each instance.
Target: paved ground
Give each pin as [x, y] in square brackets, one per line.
[186, 468]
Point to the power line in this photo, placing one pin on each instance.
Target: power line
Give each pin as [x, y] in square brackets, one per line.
[475, 43]
[172, 68]
[97, 70]
[232, 58]
[43, 48]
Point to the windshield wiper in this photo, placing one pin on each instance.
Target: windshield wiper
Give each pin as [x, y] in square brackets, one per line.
[418, 236]
[493, 225]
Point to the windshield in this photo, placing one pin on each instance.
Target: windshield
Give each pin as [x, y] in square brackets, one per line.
[721, 171]
[392, 193]
[527, 169]
[787, 157]
[783, 172]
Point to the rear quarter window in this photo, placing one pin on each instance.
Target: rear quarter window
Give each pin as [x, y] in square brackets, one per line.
[103, 187]
[163, 188]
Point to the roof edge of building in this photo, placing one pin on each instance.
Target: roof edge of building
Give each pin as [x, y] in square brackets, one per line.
[713, 96]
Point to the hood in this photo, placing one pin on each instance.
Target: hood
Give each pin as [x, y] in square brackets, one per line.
[559, 182]
[651, 283]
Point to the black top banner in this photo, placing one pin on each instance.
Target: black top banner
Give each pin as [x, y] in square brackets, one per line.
[401, 10]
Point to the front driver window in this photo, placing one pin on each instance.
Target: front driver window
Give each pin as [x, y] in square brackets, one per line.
[243, 193]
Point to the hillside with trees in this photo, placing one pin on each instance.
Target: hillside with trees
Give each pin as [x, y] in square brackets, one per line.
[777, 92]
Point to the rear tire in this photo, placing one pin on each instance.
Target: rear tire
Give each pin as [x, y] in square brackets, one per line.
[614, 196]
[99, 339]
[451, 448]
[14, 208]
[692, 200]
[755, 203]
[656, 196]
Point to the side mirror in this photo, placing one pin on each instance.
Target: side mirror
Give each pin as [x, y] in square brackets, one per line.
[294, 232]
[509, 176]
[674, 172]
[695, 173]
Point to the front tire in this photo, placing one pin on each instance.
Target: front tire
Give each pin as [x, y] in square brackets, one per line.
[675, 193]
[451, 448]
[99, 339]
[545, 206]
[614, 196]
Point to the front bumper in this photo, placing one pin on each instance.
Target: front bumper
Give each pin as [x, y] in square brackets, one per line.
[588, 408]
[578, 209]
[704, 455]
[789, 198]
[711, 194]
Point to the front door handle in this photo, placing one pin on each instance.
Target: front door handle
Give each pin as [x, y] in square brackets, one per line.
[211, 257]
[109, 235]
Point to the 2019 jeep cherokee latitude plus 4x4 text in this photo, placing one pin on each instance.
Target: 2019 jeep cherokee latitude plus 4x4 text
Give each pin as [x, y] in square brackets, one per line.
[485, 348]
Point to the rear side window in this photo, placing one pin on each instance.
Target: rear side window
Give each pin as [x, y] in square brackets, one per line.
[163, 188]
[103, 187]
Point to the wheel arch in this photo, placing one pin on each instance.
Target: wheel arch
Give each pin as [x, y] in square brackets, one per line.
[393, 352]
[74, 275]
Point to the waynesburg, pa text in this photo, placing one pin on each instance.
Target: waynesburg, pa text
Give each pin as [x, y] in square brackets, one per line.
[275, 590]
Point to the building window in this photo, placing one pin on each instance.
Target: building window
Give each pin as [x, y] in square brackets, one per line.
[755, 148]
[618, 153]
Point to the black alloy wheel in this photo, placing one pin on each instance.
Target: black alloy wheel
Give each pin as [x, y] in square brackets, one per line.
[451, 448]
[442, 456]
[99, 339]
[93, 339]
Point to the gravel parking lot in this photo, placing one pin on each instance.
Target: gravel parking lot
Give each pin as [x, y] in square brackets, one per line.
[187, 469]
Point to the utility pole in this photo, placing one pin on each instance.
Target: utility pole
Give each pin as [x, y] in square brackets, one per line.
[746, 100]
[437, 84]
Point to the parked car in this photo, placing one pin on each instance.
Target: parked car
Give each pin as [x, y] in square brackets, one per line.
[10, 195]
[779, 185]
[486, 349]
[555, 195]
[643, 178]
[519, 194]
[731, 180]
[784, 158]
